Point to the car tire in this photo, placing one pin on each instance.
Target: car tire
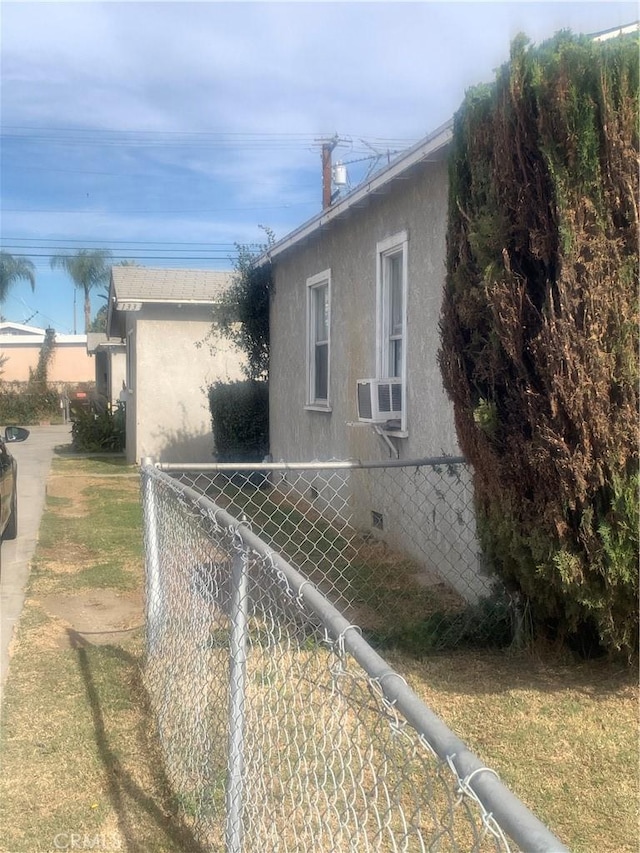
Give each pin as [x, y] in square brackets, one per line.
[11, 530]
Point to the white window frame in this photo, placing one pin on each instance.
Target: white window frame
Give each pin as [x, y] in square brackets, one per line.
[313, 403]
[396, 244]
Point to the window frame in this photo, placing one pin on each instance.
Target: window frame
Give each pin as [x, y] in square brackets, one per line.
[393, 246]
[313, 284]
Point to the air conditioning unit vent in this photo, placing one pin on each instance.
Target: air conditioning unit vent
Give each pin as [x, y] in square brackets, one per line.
[379, 400]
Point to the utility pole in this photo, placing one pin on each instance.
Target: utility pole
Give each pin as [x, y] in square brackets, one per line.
[327, 150]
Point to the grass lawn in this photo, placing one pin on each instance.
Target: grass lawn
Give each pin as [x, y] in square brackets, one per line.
[78, 753]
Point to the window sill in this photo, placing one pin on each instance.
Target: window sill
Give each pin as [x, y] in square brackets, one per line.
[315, 407]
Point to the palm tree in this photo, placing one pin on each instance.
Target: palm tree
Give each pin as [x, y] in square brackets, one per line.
[87, 269]
[12, 270]
[99, 322]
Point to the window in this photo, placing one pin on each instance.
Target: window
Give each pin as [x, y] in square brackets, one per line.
[318, 340]
[391, 337]
[394, 301]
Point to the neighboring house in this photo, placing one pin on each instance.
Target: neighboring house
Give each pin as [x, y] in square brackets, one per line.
[20, 345]
[357, 296]
[110, 367]
[163, 317]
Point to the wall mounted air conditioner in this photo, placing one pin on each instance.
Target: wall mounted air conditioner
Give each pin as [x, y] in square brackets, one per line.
[379, 400]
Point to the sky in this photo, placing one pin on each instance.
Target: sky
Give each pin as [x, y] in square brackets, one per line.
[170, 132]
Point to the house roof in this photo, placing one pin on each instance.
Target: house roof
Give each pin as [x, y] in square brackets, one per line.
[615, 32]
[145, 284]
[17, 334]
[430, 148]
[132, 287]
[97, 341]
[9, 328]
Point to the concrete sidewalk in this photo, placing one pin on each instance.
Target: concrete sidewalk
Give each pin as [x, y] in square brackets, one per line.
[34, 462]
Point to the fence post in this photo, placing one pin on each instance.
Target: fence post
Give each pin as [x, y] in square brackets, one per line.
[153, 603]
[237, 676]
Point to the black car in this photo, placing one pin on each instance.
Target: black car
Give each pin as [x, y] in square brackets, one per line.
[9, 483]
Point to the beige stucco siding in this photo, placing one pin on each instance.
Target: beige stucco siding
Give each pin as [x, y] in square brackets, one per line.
[167, 410]
[110, 374]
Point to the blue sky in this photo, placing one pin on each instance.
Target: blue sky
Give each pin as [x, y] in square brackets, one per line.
[167, 132]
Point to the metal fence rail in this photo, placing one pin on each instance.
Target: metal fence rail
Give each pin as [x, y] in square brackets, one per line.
[282, 729]
[392, 544]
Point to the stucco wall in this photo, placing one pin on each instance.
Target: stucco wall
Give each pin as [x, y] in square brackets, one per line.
[167, 410]
[116, 374]
[110, 373]
[348, 249]
[70, 363]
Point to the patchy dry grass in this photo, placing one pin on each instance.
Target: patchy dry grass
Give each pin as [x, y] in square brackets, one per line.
[563, 735]
[78, 754]
[78, 751]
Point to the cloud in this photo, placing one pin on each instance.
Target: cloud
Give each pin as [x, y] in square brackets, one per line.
[368, 68]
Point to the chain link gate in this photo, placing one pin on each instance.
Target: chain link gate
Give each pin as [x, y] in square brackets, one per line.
[282, 729]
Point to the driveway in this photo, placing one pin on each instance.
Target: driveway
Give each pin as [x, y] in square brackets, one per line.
[34, 461]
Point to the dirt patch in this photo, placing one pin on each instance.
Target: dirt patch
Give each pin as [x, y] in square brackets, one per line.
[61, 487]
[75, 556]
[101, 616]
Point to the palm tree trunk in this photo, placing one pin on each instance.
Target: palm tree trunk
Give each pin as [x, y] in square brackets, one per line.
[87, 310]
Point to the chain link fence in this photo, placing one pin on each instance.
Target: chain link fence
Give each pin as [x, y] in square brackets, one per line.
[282, 729]
[393, 545]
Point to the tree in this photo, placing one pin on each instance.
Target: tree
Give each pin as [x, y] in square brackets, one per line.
[243, 315]
[12, 270]
[38, 377]
[240, 410]
[99, 322]
[540, 328]
[88, 268]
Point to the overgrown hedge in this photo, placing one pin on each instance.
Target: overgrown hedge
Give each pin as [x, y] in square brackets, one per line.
[99, 432]
[240, 420]
[540, 327]
[25, 408]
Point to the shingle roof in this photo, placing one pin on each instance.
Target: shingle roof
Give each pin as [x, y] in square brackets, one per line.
[144, 284]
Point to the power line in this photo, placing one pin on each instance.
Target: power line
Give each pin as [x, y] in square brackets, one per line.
[8, 239]
[210, 139]
[130, 257]
[112, 211]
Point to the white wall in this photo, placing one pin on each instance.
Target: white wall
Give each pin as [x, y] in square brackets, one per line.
[167, 410]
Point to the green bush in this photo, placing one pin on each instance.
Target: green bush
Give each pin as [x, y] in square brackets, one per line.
[540, 328]
[240, 420]
[103, 432]
[487, 624]
[25, 407]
